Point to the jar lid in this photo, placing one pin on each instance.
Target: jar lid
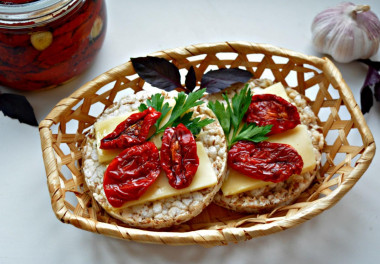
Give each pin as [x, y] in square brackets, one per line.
[34, 13]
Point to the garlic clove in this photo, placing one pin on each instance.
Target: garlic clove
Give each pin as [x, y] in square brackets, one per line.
[96, 28]
[347, 32]
[41, 40]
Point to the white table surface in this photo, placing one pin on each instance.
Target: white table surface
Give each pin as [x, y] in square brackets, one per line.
[349, 232]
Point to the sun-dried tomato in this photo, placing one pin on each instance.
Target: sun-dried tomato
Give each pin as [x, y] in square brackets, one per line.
[14, 40]
[18, 62]
[129, 175]
[270, 109]
[265, 161]
[132, 131]
[179, 158]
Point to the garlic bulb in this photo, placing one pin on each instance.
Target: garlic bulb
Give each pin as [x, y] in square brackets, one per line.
[347, 32]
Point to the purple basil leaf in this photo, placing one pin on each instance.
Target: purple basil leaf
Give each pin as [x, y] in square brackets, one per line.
[366, 96]
[366, 99]
[218, 80]
[191, 79]
[372, 78]
[377, 91]
[158, 72]
[17, 106]
[373, 64]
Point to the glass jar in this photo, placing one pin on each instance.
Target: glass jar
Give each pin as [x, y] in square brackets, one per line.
[44, 43]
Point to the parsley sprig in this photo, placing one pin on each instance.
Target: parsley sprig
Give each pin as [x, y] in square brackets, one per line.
[157, 102]
[231, 115]
[179, 112]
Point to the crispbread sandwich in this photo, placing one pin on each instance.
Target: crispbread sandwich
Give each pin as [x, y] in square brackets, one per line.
[243, 193]
[161, 205]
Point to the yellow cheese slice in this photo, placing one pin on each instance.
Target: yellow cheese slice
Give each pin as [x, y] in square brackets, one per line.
[276, 89]
[236, 182]
[204, 177]
[157, 140]
[297, 137]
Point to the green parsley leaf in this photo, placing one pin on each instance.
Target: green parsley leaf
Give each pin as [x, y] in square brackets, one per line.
[157, 102]
[251, 132]
[222, 114]
[143, 107]
[184, 119]
[194, 125]
[179, 113]
[182, 105]
[230, 117]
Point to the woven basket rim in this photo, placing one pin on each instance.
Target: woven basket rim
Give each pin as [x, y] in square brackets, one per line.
[214, 234]
[207, 237]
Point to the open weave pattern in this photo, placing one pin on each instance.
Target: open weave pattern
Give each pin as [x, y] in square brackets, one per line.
[63, 132]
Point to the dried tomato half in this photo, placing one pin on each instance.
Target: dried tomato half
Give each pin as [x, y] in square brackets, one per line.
[130, 174]
[265, 161]
[270, 109]
[132, 131]
[179, 158]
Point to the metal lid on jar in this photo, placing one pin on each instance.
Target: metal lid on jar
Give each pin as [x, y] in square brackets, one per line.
[34, 13]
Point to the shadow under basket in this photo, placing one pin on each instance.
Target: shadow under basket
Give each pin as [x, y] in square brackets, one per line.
[347, 153]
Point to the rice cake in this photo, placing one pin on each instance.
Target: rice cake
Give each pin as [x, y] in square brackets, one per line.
[272, 195]
[168, 211]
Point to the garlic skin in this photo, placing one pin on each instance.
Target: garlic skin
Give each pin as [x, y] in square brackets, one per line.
[347, 32]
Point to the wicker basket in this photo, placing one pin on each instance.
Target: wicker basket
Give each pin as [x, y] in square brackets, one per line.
[64, 129]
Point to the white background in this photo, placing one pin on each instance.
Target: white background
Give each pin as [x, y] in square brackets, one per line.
[29, 232]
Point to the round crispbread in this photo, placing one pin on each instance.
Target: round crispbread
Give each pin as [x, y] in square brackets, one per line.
[168, 211]
[267, 198]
